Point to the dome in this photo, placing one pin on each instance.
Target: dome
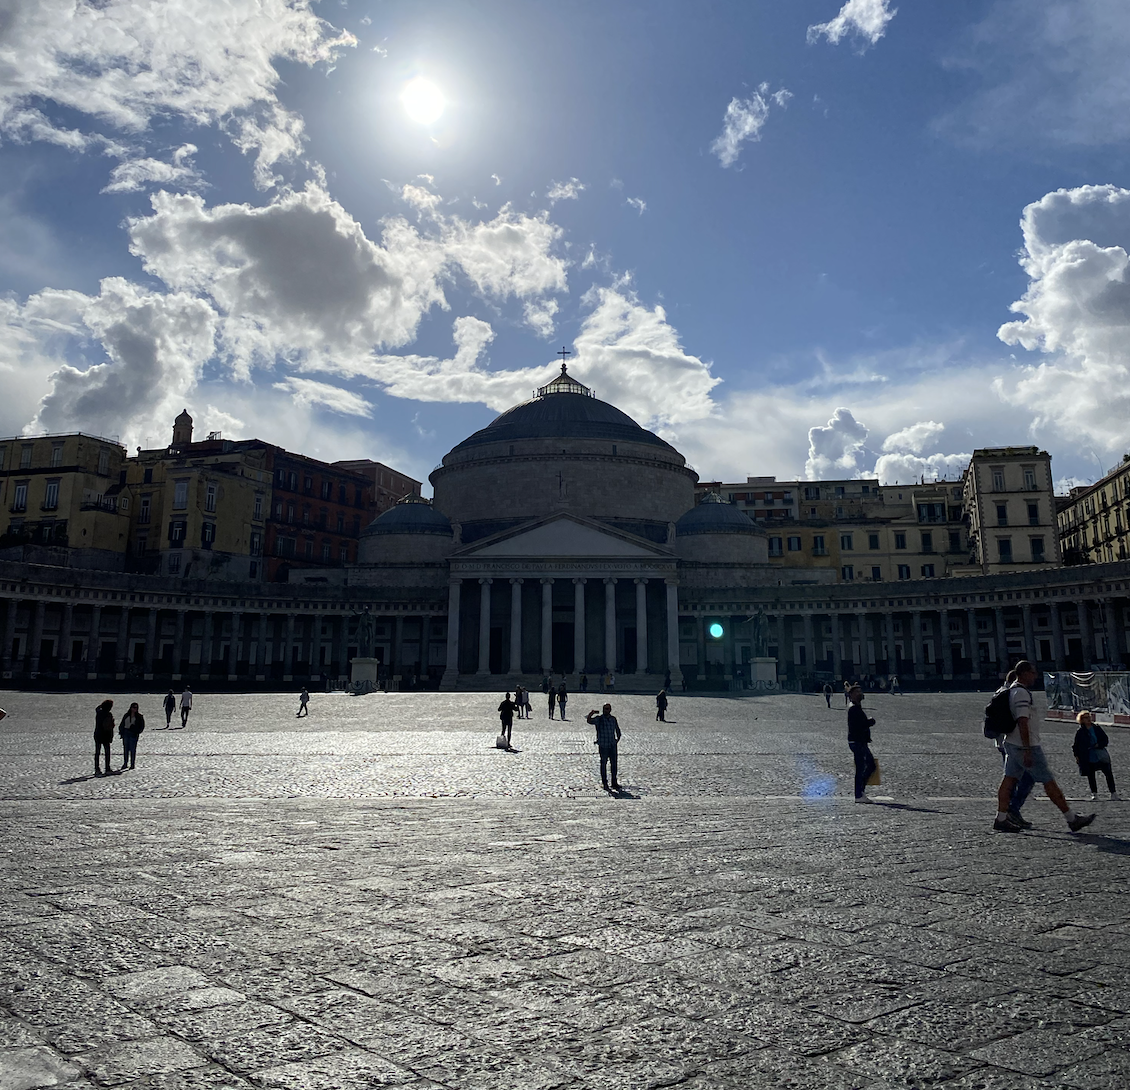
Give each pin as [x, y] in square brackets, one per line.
[409, 517]
[563, 409]
[714, 516]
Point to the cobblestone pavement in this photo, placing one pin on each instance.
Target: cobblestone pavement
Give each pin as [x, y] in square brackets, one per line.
[263, 902]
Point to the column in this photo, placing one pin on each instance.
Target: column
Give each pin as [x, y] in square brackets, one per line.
[837, 659]
[1030, 650]
[178, 642]
[1086, 634]
[35, 635]
[122, 652]
[484, 627]
[10, 634]
[579, 625]
[673, 630]
[92, 645]
[700, 644]
[451, 669]
[424, 645]
[341, 654]
[233, 645]
[610, 625]
[1002, 640]
[515, 626]
[892, 652]
[866, 658]
[397, 666]
[206, 644]
[641, 626]
[809, 643]
[257, 654]
[974, 641]
[546, 625]
[1057, 637]
[288, 647]
[150, 640]
[916, 636]
[66, 635]
[947, 646]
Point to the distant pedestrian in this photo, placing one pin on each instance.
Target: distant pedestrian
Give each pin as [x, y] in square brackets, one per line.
[545, 684]
[684, 681]
[607, 739]
[1092, 755]
[847, 689]
[859, 742]
[1023, 753]
[562, 698]
[506, 712]
[129, 729]
[185, 705]
[170, 706]
[551, 693]
[584, 683]
[304, 703]
[611, 682]
[103, 735]
[526, 703]
[827, 694]
[895, 685]
[667, 682]
[661, 706]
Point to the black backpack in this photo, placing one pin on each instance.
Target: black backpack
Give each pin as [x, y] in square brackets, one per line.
[998, 715]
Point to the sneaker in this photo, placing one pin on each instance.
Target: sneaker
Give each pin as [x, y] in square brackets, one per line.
[864, 798]
[1016, 819]
[1007, 825]
[1080, 821]
[1115, 797]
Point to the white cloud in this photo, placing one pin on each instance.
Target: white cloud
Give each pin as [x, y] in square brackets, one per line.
[496, 179]
[308, 393]
[1077, 310]
[866, 19]
[135, 174]
[539, 314]
[915, 438]
[906, 468]
[123, 63]
[565, 191]
[834, 448]
[744, 119]
[638, 203]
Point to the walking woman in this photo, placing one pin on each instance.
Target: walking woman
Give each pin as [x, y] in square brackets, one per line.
[1091, 754]
[130, 728]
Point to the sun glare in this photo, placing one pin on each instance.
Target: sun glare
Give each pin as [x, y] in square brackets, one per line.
[423, 101]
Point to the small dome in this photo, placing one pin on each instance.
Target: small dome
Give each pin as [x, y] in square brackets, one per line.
[409, 517]
[714, 516]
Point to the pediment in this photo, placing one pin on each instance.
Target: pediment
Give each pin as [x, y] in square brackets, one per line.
[564, 536]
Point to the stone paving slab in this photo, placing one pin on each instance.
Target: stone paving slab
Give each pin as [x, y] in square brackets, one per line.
[720, 929]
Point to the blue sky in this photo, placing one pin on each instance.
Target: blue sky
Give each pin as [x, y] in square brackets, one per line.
[811, 238]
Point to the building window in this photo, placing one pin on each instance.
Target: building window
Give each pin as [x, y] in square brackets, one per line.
[25, 458]
[51, 496]
[341, 494]
[845, 541]
[309, 550]
[872, 541]
[56, 455]
[927, 571]
[258, 506]
[253, 569]
[147, 477]
[998, 479]
[327, 551]
[818, 545]
[307, 484]
[1037, 549]
[290, 512]
[876, 575]
[1002, 514]
[174, 563]
[794, 544]
[927, 542]
[142, 544]
[256, 546]
[323, 518]
[327, 488]
[103, 463]
[847, 573]
[356, 525]
[931, 512]
[293, 480]
[278, 509]
[180, 495]
[143, 512]
[3, 457]
[19, 500]
[1033, 514]
[305, 514]
[775, 544]
[1029, 479]
[839, 491]
[900, 541]
[955, 541]
[1004, 549]
[340, 523]
[280, 478]
[284, 546]
[210, 498]
[177, 530]
[839, 512]
[207, 534]
[344, 554]
[904, 571]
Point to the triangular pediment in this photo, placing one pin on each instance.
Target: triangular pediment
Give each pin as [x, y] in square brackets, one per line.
[564, 536]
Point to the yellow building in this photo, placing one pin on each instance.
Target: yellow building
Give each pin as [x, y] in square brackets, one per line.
[1094, 520]
[64, 492]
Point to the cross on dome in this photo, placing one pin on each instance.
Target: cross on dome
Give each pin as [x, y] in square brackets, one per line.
[564, 383]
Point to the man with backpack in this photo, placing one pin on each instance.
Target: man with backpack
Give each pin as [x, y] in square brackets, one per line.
[998, 723]
[1023, 753]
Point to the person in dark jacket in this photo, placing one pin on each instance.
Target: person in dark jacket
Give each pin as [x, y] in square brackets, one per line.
[661, 706]
[552, 692]
[130, 728]
[562, 698]
[170, 707]
[1091, 754]
[859, 742]
[506, 712]
[103, 734]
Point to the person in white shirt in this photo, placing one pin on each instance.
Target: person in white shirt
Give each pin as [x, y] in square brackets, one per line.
[1023, 753]
[185, 705]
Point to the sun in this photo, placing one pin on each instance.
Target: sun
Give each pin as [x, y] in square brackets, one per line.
[423, 101]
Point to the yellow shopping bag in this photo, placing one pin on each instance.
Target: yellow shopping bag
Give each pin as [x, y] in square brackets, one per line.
[875, 780]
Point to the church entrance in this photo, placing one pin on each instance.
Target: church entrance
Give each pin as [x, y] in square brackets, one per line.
[563, 647]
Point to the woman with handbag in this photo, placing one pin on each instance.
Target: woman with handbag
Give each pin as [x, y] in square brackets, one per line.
[130, 728]
[1091, 754]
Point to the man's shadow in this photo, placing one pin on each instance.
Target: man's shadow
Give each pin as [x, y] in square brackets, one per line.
[83, 779]
[623, 793]
[904, 806]
[1111, 845]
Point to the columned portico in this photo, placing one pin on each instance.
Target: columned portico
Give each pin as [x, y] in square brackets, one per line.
[546, 625]
[579, 625]
[484, 628]
[516, 626]
[641, 626]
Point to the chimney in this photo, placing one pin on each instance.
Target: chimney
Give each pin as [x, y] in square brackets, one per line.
[182, 430]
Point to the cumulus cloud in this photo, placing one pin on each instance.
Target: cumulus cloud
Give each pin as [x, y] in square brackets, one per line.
[743, 121]
[905, 468]
[864, 19]
[834, 448]
[120, 64]
[309, 393]
[915, 438]
[565, 191]
[1077, 311]
[135, 174]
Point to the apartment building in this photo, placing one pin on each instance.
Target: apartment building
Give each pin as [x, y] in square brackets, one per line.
[1094, 520]
[388, 486]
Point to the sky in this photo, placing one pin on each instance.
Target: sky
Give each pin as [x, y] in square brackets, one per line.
[813, 239]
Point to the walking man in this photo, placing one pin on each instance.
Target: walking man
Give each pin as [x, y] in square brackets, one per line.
[185, 705]
[130, 728]
[103, 734]
[170, 707]
[304, 702]
[1023, 753]
[828, 694]
[859, 742]
[661, 706]
[607, 737]
[506, 712]
[551, 692]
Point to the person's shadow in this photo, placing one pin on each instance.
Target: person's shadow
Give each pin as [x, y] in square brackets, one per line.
[623, 793]
[1111, 845]
[83, 779]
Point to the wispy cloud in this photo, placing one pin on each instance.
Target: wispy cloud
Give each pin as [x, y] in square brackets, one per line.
[744, 120]
[864, 19]
[565, 191]
[638, 203]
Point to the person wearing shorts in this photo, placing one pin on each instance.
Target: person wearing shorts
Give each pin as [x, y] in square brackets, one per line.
[1024, 753]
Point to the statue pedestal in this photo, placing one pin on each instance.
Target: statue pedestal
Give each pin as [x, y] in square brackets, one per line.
[363, 673]
[763, 675]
